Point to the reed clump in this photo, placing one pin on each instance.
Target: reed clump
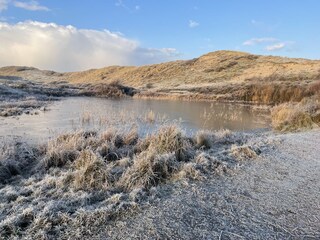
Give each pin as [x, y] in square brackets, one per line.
[91, 172]
[297, 116]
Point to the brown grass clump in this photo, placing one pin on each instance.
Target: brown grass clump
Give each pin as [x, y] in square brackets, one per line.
[111, 90]
[242, 152]
[92, 172]
[61, 151]
[204, 139]
[296, 116]
[315, 87]
[131, 137]
[148, 170]
[170, 139]
[189, 171]
[265, 92]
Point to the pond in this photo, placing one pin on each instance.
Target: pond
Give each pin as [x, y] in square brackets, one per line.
[98, 113]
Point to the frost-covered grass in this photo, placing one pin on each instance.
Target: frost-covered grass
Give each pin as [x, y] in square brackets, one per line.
[82, 180]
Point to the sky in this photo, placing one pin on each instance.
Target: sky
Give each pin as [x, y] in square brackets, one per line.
[76, 35]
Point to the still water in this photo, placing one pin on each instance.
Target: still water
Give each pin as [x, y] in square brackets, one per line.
[98, 113]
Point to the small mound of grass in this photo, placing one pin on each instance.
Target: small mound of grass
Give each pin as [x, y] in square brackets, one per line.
[290, 117]
[204, 139]
[242, 152]
[170, 139]
[148, 170]
[14, 159]
[91, 172]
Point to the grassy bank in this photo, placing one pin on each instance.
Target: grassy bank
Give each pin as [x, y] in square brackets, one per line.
[258, 92]
[297, 116]
[18, 96]
[82, 180]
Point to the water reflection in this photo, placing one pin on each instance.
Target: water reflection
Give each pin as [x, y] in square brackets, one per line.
[96, 113]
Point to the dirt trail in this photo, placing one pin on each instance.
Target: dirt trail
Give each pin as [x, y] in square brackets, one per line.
[275, 197]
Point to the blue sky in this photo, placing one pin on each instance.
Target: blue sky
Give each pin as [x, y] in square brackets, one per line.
[159, 30]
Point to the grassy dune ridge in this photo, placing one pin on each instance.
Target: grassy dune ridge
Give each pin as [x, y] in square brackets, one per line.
[79, 181]
[221, 75]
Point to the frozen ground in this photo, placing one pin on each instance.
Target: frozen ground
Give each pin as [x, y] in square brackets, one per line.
[274, 197]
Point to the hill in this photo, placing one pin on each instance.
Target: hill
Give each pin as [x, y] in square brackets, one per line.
[212, 68]
[225, 75]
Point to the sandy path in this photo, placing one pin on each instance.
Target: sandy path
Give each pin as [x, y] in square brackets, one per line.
[275, 197]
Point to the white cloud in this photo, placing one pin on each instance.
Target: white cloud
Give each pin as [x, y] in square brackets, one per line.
[31, 6]
[193, 24]
[255, 41]
[3, 5]
[120, 3]
[276, 47]
[66, 48]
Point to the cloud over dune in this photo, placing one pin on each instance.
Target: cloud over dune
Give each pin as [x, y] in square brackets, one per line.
[276, 47]
[66, 48]
[255, 41]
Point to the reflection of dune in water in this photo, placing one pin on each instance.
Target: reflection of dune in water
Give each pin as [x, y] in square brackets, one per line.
[98, 113]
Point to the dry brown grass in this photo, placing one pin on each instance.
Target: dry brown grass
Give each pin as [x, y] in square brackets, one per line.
[273, 93]
[221, 75]
[243, 152]
[148, 169]
[215, 67]
[315, 87]
[169, 139]
[297, 116]
[111, 90]
[91, 172]
[257, 91]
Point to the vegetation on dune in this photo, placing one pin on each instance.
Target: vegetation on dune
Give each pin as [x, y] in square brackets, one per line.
[254, 91]
[55, 187]
[221, 75]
